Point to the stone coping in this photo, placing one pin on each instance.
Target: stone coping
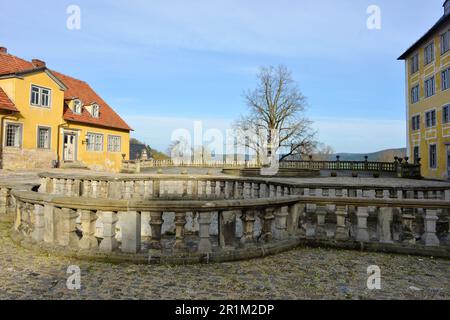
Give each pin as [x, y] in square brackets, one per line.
[209, 205]
[318, 182]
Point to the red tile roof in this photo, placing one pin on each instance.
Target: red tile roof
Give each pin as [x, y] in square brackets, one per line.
[5, 102]
[81, 90]
[10, 64]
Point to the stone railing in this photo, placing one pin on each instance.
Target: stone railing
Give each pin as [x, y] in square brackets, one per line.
[232, 218]
[399, 167]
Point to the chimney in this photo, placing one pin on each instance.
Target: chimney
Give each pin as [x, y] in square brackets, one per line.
[3, 50]
[38, 63]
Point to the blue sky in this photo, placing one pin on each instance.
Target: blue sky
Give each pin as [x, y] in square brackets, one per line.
[164, 64]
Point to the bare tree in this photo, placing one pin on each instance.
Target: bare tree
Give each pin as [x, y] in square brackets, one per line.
[323, 152]
[275, 123]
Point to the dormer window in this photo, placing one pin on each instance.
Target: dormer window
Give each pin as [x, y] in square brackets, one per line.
[95, 110]
[77, 106]
[447, 7]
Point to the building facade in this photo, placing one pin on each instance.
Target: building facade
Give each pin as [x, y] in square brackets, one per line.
[427, 68]
[49, 118]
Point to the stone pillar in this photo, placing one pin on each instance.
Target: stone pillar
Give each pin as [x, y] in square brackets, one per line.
[94, 189]
[67, 233]
[321, 213]
[213, 185]
[204, 186]
[429, 237]
[247, 190]
[131, 231]
[385, 217]
[156, 223]
[280, 230]
[222, 189]
[109, 242]
[204, 220]
[267, 219]
[146, 231]
[194, 187]
[69, 188]
[362, 234]
[39, 223]
[88, 220]
[240, 190]
[341, 230]
[256, 190]
[49, 224]
[180, 222]
[227, 228]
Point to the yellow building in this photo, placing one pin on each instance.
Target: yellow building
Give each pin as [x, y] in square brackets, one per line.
[49, 119]
[427, 76]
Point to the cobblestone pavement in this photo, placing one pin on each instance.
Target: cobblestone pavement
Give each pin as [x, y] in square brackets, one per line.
[304, 273]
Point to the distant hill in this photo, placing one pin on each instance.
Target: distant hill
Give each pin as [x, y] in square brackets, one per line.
[383, 155]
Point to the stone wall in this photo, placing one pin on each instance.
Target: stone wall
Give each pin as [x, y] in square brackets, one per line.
[14, 158]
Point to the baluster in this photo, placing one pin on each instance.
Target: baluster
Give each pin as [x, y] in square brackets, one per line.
[94, 188]
[109, 220]
[204, 186]
[267, 219]
[68, 225]
[194, 187]
[256, 190]
[213, 185]
[248, 221]
[362, 233]
[429, 237]
[341, 229]
[180, 222]
[156, 223]
[88, 221]
[204, 221]
[222, 189]
[3, 200]
[321, 213]
[156, 188]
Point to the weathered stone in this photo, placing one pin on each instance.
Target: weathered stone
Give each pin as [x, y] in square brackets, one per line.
[227, 228]
[131, 231]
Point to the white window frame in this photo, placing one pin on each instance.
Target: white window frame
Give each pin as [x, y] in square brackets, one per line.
[77, 102]
[40, 96]
[428, 53]
[95, 111]
[433, 123]
[114, 143]
[95, 142]
[434, 165]
[49, 129]
[415, 90]
[446, 120]
[20, 134]
[427, 86]
[415, 122]
[445, 79]
[414, 63]
[445, 42]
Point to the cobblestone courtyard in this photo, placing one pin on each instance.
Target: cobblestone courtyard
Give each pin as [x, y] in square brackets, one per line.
[300, 274]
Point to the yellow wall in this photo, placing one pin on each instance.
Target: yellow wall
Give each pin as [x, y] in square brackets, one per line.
[440, 134]
[98, 160]
[19, 90]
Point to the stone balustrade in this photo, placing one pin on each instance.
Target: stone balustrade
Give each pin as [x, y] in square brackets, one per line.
[195, 219]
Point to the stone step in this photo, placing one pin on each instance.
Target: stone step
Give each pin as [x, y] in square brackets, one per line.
[73, 165]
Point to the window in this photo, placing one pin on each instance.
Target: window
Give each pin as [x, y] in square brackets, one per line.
[95, 142]
[13, 135]
[414, 63]
[416, 154]
[433, 158]
[445, 45]
[77, 106]
[430, 118]
[114, 143]
[429, 53]
[415, 123]
[445, 79]
[44, 137]
[446, 114]
[40, 97]
[95, 110]
[429, 87]
[415, 94]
